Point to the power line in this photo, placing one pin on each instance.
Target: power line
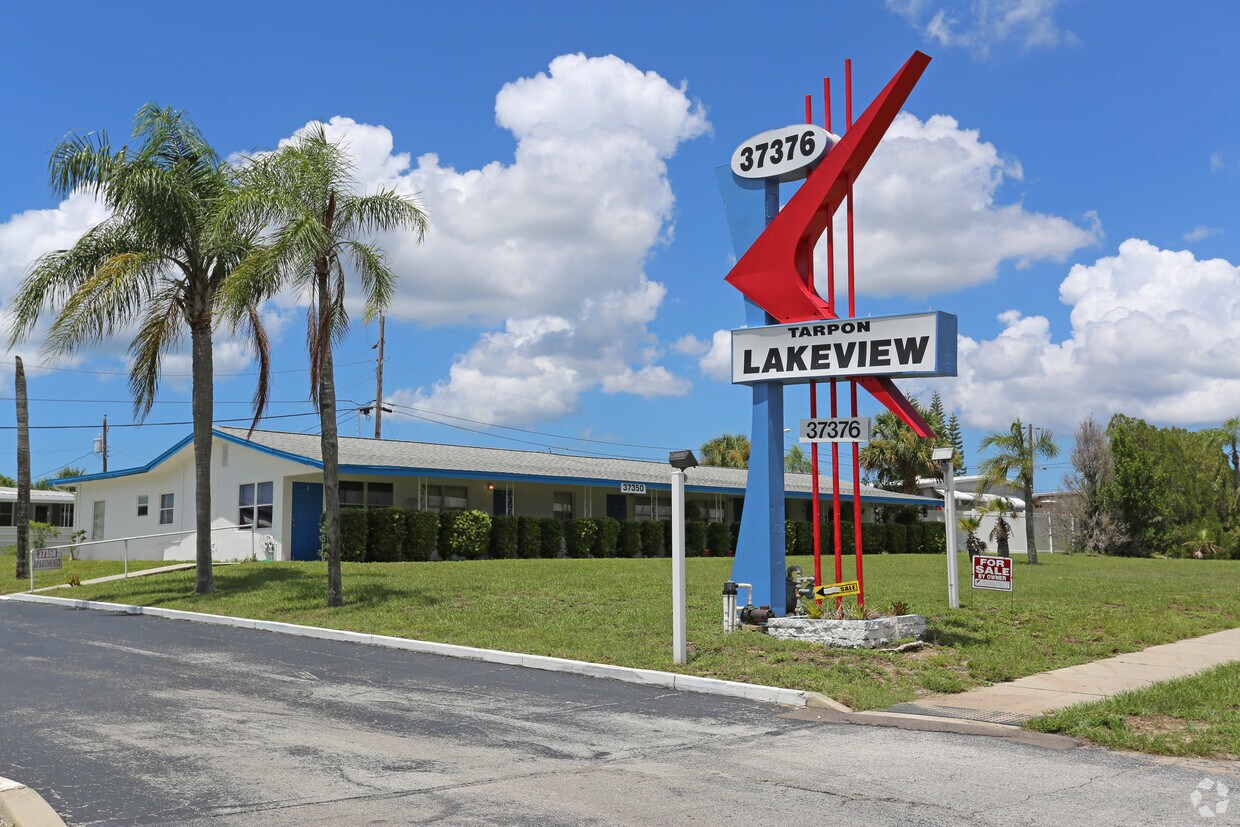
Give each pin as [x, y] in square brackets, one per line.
[525, 430]
[163, 374]
[154, 424]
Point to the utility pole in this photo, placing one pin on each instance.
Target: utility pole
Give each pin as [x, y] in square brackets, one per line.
[105, 445]
[22, 515]
[379, 385]
[1030, 542]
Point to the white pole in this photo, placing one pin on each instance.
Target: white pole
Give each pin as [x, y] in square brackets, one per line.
[680, 643]
[953, 577]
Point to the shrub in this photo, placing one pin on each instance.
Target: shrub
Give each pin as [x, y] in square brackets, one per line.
[421, 535]
[529, 536]
[579, 537]
[352, 534]
[606, 537]
[719, 539]
[897, 538]
[667, 537]
[652, 538]
[385, 530]
[503, 537]
[447, 521]
[551, 537]
[790, 537]
[735, 530]
[695, 539]
[471, 532]
[630, 539]
[805, 538]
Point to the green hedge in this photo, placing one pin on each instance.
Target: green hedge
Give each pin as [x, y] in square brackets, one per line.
[606, 538]
[695, 539]
[652, 538]
[551, 537]
[470, 534]
[447, 521]
[353, 531]
[503, 537]
[718, 540]
[630, 539]
[421, 535]
[385, 534]
[529, 537]
[579, 537]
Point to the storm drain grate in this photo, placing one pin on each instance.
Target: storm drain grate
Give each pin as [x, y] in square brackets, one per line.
[989, 716]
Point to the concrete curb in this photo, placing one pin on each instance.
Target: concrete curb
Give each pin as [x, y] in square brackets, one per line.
[23, 807]
[650, 677]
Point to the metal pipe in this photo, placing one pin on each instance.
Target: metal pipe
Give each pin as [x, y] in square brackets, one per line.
[729, 606]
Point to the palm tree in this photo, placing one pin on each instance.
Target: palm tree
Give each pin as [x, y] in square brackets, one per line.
[726, 451]
[305, 192]
[899, 457]
[1000, 507]
[1231, 432]
[1202, 545]
[1017, 451]
[969, 525]
[797, 462]
[158, 262]
[22, 515]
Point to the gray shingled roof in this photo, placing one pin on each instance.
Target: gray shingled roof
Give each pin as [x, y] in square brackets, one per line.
[376, 455]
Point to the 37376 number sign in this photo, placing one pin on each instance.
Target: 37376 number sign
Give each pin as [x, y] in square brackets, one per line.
[856, 429]
[783, 154]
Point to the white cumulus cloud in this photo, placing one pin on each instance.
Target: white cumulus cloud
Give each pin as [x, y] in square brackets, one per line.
[549, 247]
[1153, 335]
[986, 26]
[929, 218]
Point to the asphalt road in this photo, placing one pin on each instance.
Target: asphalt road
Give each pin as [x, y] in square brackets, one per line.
[120, 719]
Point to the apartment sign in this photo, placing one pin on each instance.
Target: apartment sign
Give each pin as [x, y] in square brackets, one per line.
[922, 344]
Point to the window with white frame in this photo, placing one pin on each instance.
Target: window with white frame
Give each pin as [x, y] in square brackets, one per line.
[143, 505]
[447, 498]
[562, 507]
[165, 509]
[354, 494]
[642, 507]
[255, 504]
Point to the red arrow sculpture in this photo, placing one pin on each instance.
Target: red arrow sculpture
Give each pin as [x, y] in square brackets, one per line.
[773, 273]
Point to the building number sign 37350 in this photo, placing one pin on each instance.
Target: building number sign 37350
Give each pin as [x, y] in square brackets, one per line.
[785, 154]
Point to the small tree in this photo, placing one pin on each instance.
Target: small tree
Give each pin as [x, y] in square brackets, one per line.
[1002, 530]
[972, 543]
[726, 451]
[1017, 451]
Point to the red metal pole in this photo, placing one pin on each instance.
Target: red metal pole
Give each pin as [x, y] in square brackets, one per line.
[813, 407]
[836, 517]
[852, 312]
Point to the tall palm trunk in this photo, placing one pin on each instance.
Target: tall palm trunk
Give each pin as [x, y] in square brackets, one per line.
[329, 445]
[23, 473]
[203, 408]
[1030, 543]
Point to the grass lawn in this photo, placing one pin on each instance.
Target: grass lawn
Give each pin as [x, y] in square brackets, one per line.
[85, 569]
[1194, 716]
[1066, 611]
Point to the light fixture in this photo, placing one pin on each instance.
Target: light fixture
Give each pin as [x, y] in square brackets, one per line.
[682, 460]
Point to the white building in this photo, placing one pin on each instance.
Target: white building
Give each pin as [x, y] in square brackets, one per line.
[969, 497]
[52, 507]
[273, 482]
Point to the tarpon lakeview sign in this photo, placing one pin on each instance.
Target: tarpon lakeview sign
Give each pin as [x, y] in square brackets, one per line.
[923, 344]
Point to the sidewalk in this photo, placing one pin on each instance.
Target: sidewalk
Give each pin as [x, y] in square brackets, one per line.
[1017, 701]
[131, 575]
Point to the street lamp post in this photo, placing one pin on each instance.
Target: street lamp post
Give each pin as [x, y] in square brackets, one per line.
[945, 455]
[680, 461]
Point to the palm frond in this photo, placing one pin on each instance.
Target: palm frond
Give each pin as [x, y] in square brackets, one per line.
[383, 211]
[160, 331]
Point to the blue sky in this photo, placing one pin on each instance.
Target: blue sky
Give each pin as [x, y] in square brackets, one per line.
[1063, 179]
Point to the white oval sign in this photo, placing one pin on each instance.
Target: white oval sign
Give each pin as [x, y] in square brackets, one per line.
[784, 154]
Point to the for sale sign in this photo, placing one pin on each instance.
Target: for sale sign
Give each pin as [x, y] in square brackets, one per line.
[992, 573]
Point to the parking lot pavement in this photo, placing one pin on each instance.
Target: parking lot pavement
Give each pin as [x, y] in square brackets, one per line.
[119, 719]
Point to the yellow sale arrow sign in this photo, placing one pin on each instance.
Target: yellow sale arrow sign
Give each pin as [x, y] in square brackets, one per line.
[838, 589]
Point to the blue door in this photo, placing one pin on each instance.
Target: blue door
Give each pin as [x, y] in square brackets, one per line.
[307, 510]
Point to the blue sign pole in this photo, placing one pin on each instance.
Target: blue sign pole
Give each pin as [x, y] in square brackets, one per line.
[750, 205]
